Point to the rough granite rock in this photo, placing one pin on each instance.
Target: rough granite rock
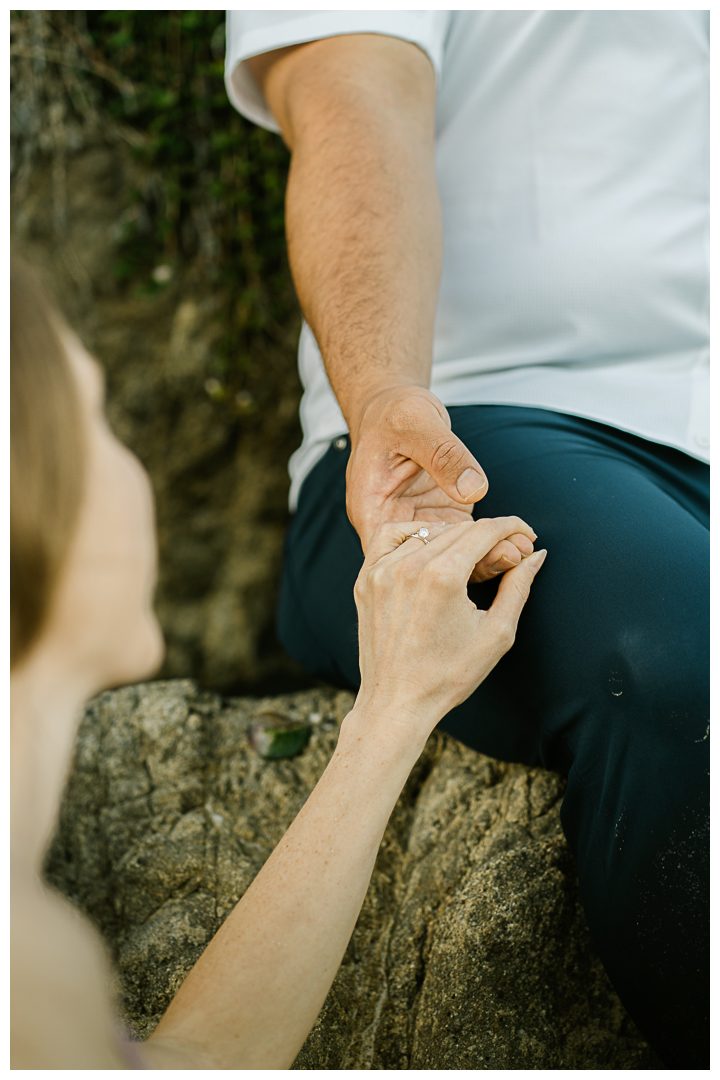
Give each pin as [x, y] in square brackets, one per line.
[471, 950]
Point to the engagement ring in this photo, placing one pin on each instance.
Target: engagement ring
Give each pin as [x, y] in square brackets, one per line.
[421, 534]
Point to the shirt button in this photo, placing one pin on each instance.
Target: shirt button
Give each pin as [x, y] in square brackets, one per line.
[340, 443]
[702, 441]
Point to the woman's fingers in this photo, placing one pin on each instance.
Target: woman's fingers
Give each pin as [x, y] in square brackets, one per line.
[390, 536]
[462, 548]
[458, 549]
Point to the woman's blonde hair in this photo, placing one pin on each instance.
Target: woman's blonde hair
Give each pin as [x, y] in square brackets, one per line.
[46, 456]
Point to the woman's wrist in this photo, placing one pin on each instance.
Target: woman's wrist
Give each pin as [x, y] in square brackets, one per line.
[388, 731]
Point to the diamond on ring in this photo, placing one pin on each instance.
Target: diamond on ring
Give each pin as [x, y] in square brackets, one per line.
[421, 534]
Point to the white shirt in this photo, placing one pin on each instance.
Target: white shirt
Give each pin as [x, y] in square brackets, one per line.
[572, 167]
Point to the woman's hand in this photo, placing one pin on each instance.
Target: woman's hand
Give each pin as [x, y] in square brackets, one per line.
[424, 646]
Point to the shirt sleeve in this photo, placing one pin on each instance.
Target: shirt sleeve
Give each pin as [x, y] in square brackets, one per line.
[249, 33]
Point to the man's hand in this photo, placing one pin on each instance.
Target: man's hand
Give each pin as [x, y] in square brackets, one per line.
[365, 245]
[406, 464]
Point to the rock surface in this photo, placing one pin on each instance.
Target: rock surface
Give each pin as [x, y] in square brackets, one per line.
[471, 950]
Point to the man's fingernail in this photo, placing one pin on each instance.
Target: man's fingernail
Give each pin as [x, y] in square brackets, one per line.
[502, 565]
[470, 483]
[537, 559]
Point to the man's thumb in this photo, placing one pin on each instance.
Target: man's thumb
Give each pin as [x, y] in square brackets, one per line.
[451, 465]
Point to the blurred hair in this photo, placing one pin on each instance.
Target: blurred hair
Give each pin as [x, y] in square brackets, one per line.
[46, 456]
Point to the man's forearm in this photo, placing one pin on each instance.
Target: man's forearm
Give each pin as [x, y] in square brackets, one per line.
[363, 216]
[364, 234]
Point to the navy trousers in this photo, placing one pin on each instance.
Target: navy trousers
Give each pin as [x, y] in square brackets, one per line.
[607, 681]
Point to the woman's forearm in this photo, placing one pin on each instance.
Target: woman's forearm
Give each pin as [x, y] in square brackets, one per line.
[253, 996]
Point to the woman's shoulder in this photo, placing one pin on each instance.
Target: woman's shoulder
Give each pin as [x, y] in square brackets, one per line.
[61, 978]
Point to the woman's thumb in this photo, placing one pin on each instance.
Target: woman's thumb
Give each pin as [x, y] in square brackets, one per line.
[515, 589]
